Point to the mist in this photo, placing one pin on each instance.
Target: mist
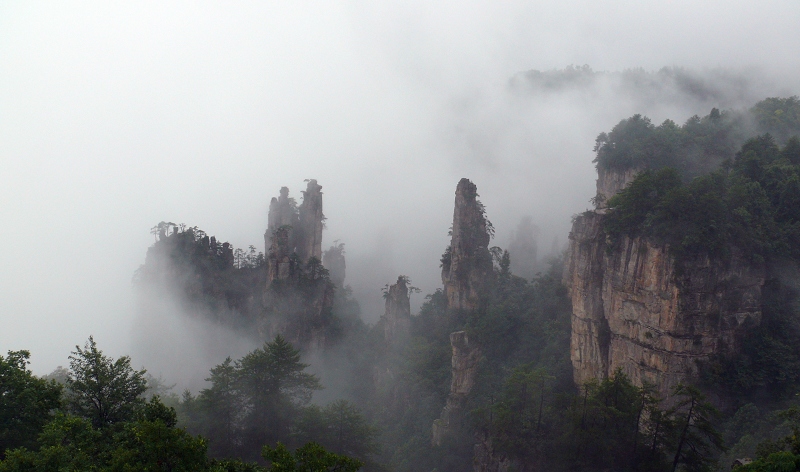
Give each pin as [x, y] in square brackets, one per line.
[116, 117]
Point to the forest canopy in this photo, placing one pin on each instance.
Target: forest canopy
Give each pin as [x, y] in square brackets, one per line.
[698, 146]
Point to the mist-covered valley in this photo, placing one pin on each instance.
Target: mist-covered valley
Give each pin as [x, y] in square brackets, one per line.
[414, 237]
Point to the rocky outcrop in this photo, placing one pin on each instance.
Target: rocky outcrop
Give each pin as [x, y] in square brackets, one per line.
[294, 235]
[610, 182]
[464, 366]
[299, 295]
[467, 263]
[397, 317]
[635, 309]
[280, 263]
[311, 219]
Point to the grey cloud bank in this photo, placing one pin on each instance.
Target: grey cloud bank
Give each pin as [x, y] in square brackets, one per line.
[115, 117]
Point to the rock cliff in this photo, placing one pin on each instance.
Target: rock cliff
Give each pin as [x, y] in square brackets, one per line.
[464, 366]
[467, 263]
[299, 295]
[311, 222]
[635, 309]
[293, 231]
[609, 182]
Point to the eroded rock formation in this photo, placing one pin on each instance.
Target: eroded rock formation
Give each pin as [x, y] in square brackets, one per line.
[294, 235]
[397, 317]
[467, 263]
[467, 275]
[309, 237]
[634, 309]
[299, 296]
[464, 367]
[610, 181]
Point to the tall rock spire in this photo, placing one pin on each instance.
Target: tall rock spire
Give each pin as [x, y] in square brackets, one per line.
[467, 263]
[294, 235]
[309, 241]
[397, 318]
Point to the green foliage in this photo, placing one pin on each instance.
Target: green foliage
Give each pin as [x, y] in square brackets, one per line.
[219, 408]
[518, 421]
[150, 442]
[66, 443]
[698, 146]
[776, 462]
[750, 209]
[211, 276]
[154, 443]
[778, 116]
[782, 454]
[126, 434]
[273, 386]
[101, 389]
[310, 458]
[697, 435]
[263, 398]
[26, 402]
[753, 207]
[340, 428]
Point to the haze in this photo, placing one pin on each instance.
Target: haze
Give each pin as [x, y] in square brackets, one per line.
[114, 117]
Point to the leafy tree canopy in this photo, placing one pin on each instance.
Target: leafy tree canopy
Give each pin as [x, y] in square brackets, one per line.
[700, 144]
[26, 402]
[101, 389]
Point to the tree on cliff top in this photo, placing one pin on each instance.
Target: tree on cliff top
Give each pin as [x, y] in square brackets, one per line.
[700, 145]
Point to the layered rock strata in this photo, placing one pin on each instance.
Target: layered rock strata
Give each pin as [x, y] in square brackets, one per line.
[634, 309]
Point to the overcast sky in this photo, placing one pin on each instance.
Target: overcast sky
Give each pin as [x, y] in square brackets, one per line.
[117, 115]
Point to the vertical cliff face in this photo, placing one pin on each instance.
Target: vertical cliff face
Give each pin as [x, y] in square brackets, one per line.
[467, 264]
[309, 238]
[298, 298]
[464, 366]
[397, 317]
[635, 310]
[294, 235]
[280, 264]
[467, 275]
[610, 182]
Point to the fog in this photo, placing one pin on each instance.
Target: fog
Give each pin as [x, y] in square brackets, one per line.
[114, 117]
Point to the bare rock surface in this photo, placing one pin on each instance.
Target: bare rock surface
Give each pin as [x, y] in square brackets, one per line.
[635, 310]
[464, 366]
[467, 266]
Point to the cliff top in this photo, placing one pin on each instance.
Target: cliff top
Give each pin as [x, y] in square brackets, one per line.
[698, 146]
